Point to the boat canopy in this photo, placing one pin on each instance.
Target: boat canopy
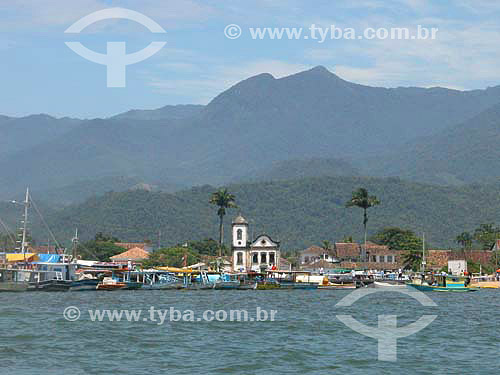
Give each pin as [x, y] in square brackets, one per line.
[19, 257]
[175, 269]
[49, 258]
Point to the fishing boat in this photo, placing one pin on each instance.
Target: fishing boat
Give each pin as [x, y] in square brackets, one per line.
[25, 280]
[12, 280]
[109, 283]
[35, 272]
[442, 283]
[52, 285]
[292, 279]
[231, 281]
[154, 279]
[485, 282]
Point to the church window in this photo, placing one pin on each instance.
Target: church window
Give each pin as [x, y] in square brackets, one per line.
[239, 258]
[263, 258]
[239, 234]
[255, 258]
[271, 258]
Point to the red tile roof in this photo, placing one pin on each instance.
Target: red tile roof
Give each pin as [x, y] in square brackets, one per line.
[135, 253]
[347, 249]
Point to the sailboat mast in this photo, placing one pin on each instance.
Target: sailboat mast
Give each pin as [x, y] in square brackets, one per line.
[75, 245]
[25, 221]
[423, 252]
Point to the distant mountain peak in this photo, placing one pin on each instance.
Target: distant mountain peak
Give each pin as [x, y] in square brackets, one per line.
[320, 69]
[317, 73]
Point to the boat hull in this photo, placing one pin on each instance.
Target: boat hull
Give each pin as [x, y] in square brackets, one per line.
[383, 284]
[163, 286]
[340, 286]
[292, 285]
[11, 286]
[50, 286]
[429, 288]
[84, 285]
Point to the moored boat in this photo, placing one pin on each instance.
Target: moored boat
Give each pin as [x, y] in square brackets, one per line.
[485, 282]
[389, 284]
[109, 283]
[443, 283]
[12, 280]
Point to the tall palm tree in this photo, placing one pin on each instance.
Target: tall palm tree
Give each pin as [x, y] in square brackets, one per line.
[465, 240]
[223, 199]
[327, 245]
[360, 198]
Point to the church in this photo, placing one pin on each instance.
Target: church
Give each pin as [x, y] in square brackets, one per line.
[253, 255]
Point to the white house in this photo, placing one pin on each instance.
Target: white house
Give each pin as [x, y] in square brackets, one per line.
[252, 255]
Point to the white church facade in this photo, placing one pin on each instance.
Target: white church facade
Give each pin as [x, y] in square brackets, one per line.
[253, 254]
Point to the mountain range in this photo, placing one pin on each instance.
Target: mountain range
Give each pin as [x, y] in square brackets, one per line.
[261, 128]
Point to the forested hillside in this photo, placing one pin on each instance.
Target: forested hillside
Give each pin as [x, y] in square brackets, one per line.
[299, 212]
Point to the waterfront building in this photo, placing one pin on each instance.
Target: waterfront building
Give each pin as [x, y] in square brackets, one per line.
[252, 254]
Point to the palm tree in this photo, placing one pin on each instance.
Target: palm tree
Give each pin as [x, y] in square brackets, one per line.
[223, 199]
[465, 240]
[412, 259]
[327, 245]
[361, 198]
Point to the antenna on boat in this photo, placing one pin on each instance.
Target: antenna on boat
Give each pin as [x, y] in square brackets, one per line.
[25, 220]
[75, 245]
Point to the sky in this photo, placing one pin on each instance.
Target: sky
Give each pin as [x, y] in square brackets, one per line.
[40, 74]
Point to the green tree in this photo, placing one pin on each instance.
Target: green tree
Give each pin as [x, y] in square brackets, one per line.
[7, 243]
[412, 260]
[101, 248]
[205, 247]
[464, 239]
[347, 239]
[171, 257]
[224, 200]
[398, 239]
[486, 235]
[360, 198]
[327, 245]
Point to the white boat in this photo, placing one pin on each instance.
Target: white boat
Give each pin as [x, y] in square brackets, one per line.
[389, 284]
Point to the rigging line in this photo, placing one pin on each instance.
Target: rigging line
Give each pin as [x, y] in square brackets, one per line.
[8, 231]
[45, 223]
